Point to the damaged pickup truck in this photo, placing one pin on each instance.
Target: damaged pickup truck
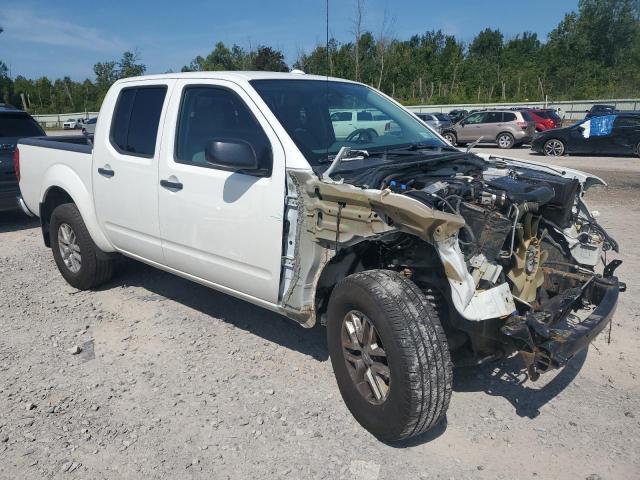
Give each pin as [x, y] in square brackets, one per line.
[414, 254]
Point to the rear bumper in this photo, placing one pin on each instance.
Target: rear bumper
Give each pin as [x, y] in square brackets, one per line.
[23, 206]
[547, 343]
[8, 198]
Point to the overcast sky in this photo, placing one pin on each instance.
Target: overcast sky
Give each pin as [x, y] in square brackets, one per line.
[67, 38]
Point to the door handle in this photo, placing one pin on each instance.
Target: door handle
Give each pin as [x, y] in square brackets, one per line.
[173, 186]
[106, 172]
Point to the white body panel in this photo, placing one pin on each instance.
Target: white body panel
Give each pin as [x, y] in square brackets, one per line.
[223, 227]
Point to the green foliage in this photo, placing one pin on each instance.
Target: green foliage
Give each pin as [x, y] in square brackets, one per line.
[592, 53]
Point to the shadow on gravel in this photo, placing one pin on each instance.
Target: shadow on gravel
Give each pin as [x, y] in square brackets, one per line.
[507, 379]
[15, 220]
[263, 323]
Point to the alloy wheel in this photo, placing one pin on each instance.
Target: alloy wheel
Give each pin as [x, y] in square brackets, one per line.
[505, 141]
[553, 148]
[365, 357]
[69, 248]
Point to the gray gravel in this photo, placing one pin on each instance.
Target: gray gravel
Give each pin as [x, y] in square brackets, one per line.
[155, 377]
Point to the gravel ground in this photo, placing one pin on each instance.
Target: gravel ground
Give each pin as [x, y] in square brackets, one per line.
[173, 380]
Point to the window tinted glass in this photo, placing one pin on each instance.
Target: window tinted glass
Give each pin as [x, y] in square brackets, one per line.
[492, 117]
[341, 117]
[442, 117]
[208, 113]
[19, 125]
[136, 119]
[121, 116]
[509, 117]
[627, 122]
[526, 116]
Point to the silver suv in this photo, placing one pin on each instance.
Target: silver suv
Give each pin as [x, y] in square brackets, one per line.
[506, 128]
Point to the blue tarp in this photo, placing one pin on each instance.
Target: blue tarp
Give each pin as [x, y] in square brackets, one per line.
[601, 126]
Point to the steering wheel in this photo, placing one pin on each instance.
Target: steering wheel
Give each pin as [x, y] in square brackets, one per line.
[362, 135]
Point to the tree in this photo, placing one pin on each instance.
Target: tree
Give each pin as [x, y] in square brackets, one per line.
[127, 66]
[268, 59]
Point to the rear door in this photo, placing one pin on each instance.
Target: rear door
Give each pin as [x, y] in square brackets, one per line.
[491, 125]
[625, 138]
[223, 227]
[125, 169]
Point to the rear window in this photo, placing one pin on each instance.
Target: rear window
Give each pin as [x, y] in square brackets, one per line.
[134, 128]
[19, 125]
[442, 117]
[526, 116]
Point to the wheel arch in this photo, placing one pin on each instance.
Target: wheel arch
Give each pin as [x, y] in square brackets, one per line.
[61, 185]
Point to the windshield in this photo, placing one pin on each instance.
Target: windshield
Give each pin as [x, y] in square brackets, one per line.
[19, 125]
[321, 117]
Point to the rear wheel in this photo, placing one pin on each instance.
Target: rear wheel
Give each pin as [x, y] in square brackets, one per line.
[389, 354]
[450, 137]
[82, 264]
[505, 140]
[553, 148]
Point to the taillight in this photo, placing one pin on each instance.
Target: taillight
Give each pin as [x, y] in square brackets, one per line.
[16, 163]
[522, 125]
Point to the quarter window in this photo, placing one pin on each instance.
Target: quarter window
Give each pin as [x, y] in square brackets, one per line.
[209, 113]
[134, 128]
[509, 117]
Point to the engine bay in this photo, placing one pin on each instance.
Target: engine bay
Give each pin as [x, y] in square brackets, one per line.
[517, 220]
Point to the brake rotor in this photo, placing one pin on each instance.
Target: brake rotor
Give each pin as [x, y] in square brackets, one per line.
[526, 275]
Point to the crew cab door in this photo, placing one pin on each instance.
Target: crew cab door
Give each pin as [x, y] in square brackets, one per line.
[220, 226]
[125, 168]
[625, 137]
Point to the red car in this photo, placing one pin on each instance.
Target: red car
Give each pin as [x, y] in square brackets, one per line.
[545, 118]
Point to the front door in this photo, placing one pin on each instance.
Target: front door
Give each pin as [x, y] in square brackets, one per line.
[469, 129]
[223, 227]
[125, 169]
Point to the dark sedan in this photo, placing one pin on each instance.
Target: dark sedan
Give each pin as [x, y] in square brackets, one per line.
[617, 134]
[14, 125]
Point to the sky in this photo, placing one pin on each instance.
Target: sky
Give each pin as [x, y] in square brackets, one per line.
[65, 38]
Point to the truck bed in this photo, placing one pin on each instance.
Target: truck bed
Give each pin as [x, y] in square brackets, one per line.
[40, 156]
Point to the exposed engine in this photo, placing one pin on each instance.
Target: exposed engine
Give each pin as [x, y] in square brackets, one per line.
[517, 220]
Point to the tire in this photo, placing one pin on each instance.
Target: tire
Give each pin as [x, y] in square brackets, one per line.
[638, 149]
[417, 387]
[553, 148]
[505, 140]
[450, 137]
[94, 267]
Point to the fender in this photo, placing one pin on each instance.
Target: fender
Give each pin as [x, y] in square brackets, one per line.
[66, 178]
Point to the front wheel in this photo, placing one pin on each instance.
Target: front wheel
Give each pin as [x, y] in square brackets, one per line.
[389, 354]
[82, 264]
[553, 148]
[450, 137]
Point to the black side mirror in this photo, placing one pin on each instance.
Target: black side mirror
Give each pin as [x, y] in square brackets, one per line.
[232, 154]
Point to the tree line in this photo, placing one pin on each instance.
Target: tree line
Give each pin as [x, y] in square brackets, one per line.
[592, 53]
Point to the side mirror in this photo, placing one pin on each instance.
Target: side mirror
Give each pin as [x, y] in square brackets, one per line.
[232, 154]
[462, 123]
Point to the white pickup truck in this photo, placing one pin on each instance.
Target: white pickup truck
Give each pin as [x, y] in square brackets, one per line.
[410, 251]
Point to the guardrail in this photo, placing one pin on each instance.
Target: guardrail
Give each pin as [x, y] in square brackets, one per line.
[568, 110]
[55, 120]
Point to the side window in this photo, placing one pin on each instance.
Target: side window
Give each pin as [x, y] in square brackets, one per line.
[209, 113]
[475, 118]
[134, 127]
[492, 117]
[627, 122]
[365, 116]
[509, 117]
[341, 117]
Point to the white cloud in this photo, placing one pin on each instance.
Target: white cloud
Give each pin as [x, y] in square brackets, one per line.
[27, 26]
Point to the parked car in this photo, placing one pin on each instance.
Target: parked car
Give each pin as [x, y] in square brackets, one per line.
[506, 128]
[353, 124]
[89, 127]
[545, 119]
[617, 134]
[457, 115]
[73, 124]
[14, 125]
[438, 121]
[402, 245]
